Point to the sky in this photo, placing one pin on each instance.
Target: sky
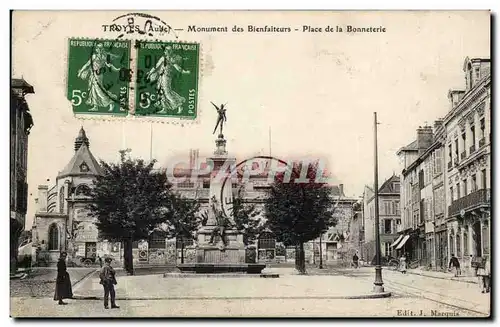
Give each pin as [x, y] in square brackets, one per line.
[316, 92]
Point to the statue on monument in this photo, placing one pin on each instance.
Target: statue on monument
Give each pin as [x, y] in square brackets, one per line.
[222, 223]
[221, 118]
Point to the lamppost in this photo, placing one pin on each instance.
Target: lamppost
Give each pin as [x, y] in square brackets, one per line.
[378, 287]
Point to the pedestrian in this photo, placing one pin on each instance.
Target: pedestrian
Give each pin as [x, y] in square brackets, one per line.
[355, 260]
[108, 281]
[402, 264]
[63, 282]
[484, 274]
[456, 264]
[100, 261]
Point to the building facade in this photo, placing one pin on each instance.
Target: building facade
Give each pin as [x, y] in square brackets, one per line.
[468, 164]
[62, 221]
[446, 178]
[422, 196]
[389, 218]
[20, 124]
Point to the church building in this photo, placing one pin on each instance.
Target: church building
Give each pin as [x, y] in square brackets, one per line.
[61, 220]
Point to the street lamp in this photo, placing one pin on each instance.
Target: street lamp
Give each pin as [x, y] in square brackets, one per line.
[378, 283]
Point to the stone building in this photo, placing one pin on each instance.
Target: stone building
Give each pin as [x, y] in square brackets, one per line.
[446, 178]
[468, 163]
[61, 220]
[20, 124]
[422, 196]
[389, 218]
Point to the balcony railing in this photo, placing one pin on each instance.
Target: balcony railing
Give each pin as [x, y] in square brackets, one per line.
[463, 155]
[472, 149]
[482, 142]
[470, 201]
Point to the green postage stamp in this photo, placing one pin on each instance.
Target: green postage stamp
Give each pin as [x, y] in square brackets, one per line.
[167, 79]
[99, 76]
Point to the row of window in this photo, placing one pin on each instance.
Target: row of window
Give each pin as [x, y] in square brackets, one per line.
[468, 186]
[390, 226]
[466, 143]
[390, 208]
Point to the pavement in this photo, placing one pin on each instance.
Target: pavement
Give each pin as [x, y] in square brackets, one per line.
[41, 282]
[322, 293]
[289, 285]
[466, 276]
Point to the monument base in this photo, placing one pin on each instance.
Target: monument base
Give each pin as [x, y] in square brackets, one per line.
[221, 268]
[218, 259]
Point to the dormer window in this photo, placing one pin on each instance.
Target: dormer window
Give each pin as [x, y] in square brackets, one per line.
[84, 168]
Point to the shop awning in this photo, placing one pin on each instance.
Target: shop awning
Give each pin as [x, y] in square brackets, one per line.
[403, 242]
[397, 241]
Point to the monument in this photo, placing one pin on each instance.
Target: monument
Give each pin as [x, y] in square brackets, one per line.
[220, 247]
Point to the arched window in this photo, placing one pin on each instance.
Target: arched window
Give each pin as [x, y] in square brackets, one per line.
[53, 237]
[459, 250]
[82, 189]
[61, 200]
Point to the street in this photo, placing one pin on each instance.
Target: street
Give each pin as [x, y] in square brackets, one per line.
[288, 296]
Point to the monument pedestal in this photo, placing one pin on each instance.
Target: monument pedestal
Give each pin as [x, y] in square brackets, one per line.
[218, 257]
[233, 252]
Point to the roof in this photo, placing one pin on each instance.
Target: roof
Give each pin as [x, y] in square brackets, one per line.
[20, 83]
[410, 147]
[83, 155]
[388, 185]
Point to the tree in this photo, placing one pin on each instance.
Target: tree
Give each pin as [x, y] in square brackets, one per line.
[183, 220]
[298, 212]
[130, 200]
[247, 218]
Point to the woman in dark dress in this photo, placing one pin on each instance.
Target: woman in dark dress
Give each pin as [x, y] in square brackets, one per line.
[63, 282]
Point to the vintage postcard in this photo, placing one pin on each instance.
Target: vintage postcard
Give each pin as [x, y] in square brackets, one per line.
[250, 164]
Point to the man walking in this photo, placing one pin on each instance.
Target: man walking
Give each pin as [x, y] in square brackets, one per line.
[108, 281]
[456, 264]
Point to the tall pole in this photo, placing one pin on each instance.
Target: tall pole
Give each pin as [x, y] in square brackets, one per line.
[378, 288]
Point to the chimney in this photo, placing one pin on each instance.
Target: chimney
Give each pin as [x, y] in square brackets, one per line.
[42, 198]
[438, 124]
[341, 189]
[425, 137]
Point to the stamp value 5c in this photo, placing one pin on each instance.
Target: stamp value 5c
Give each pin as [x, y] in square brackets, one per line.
[98, 76]
[167, 79]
